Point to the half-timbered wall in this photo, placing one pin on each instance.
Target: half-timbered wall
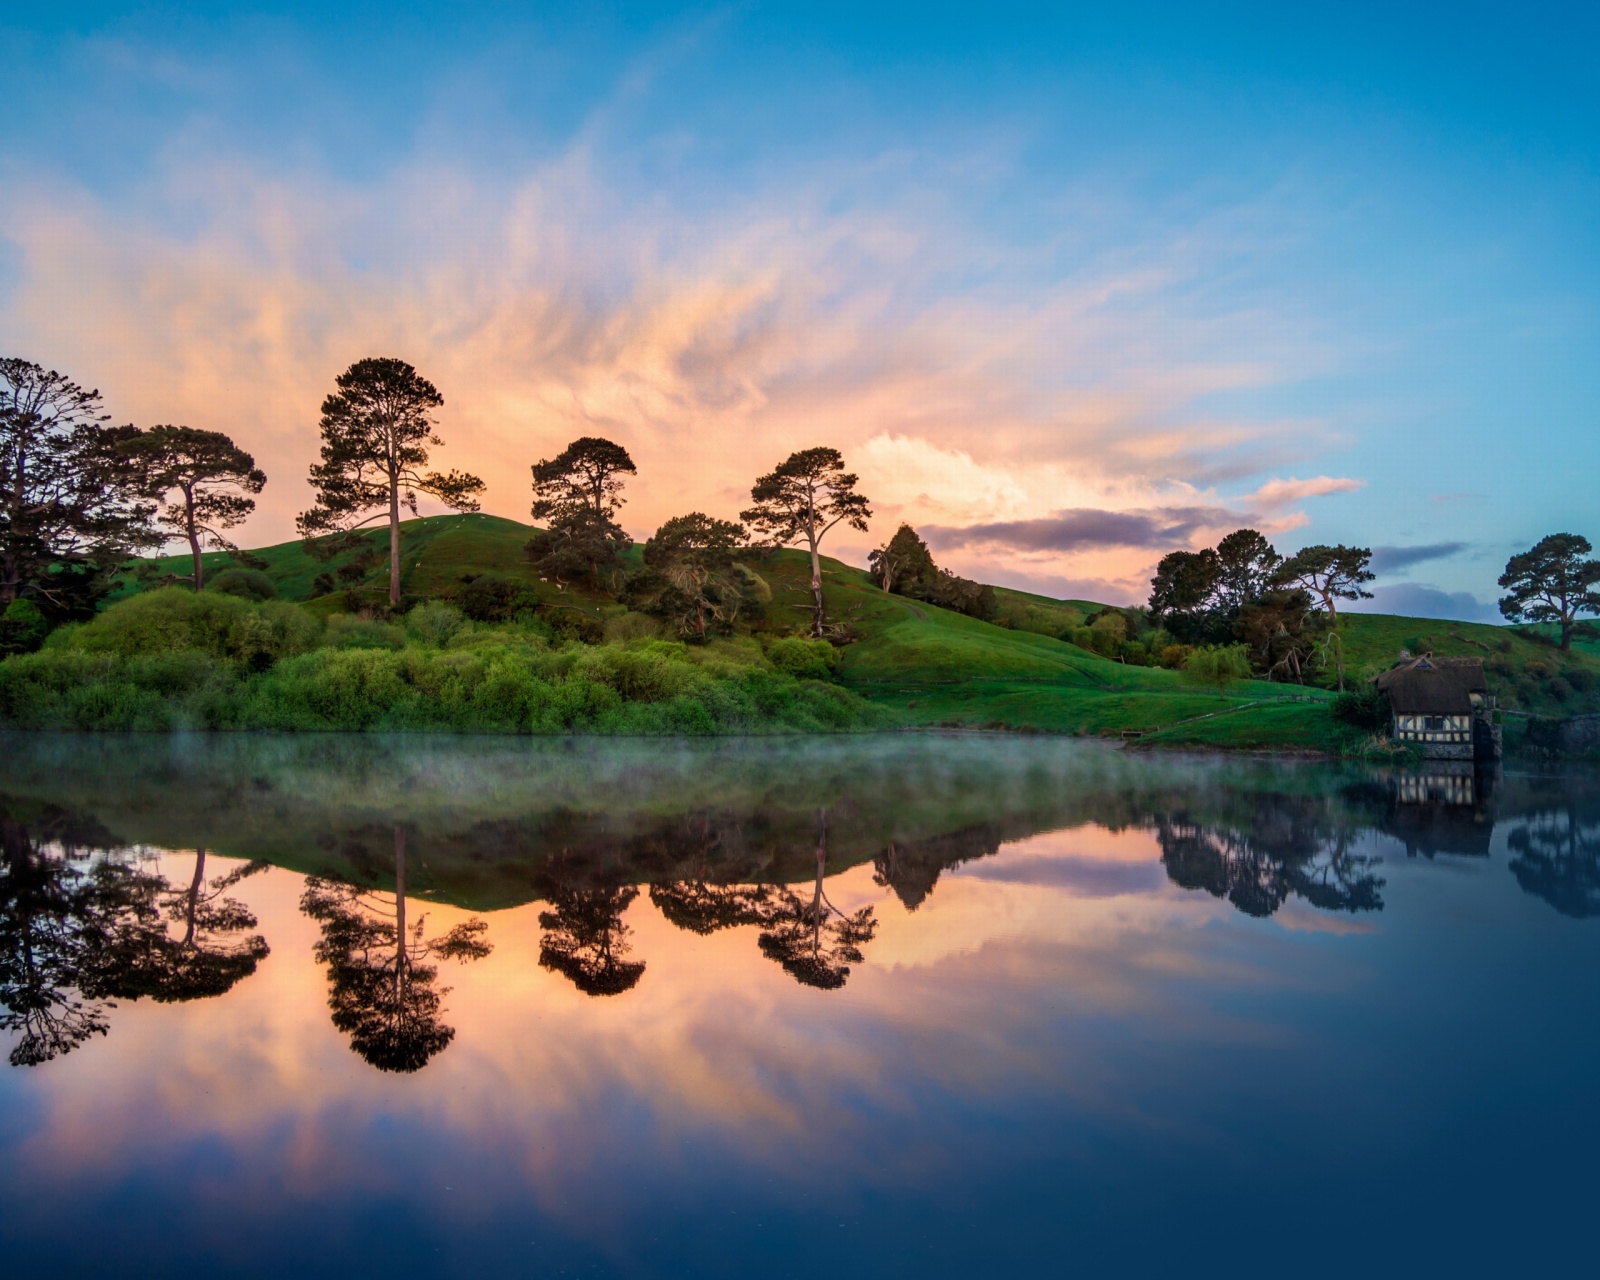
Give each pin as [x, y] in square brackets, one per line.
[1413, 728]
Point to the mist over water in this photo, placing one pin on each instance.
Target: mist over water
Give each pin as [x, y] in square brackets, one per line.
[931, 1005]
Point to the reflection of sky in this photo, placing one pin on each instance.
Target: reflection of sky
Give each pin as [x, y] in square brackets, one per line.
[1041, 1055]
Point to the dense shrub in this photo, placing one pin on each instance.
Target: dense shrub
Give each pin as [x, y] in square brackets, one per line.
[173, 620]
[1366, 708]
[193, 667]
[433, 622]
[248, 584]
[804, 659]
[494, 599]
[22, 627]
[1580, 678]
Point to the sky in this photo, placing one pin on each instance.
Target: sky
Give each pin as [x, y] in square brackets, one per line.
[1069, 286]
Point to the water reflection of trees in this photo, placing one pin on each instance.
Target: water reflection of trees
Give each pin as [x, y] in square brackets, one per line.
[814, 941]
[84, 922]
[586, 940]
[1260, 849]
[1557, 858]
[382, 989]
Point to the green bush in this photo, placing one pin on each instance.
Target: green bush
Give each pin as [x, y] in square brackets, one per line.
[434, 622]
[1366, 708]
[248, 584]
[188, 670]
[22, 627]
[494, 599]
[174, 620]
[803, 659]
[351, 631]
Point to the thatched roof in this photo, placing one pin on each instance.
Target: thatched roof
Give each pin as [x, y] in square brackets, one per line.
[1430, 686]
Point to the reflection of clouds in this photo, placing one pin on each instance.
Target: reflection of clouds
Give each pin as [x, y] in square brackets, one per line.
[716, 1044]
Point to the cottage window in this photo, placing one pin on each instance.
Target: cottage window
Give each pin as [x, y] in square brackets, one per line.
[1433, 722]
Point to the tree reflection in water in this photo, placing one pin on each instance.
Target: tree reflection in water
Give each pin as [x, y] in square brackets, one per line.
[814, 941]
[84, 922]
[382, 990]
[140, 956]
[586, 940]
[47, 939]
[1558, 859]
[1278, 846]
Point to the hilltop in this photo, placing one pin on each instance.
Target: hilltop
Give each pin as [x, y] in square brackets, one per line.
[929, 666]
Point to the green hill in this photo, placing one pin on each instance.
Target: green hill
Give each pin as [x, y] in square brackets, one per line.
[928, 666]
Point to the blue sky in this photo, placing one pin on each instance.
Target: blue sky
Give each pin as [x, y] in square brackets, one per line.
[1333, 274]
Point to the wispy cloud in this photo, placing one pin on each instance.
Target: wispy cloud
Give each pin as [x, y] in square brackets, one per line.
[1281, 493]
[1422, 600]
[1398, 559]
[1083, 529]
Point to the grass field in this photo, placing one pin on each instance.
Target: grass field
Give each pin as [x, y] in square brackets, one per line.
[928, 666]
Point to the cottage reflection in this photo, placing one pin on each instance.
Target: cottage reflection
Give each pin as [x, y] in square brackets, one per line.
[1443, 808]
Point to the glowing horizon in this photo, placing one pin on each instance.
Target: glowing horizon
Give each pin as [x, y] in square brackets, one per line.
[1027, 277]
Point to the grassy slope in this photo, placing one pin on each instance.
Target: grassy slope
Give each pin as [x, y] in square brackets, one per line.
[940, 668]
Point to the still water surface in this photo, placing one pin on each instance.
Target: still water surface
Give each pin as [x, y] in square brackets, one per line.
[920, 1006]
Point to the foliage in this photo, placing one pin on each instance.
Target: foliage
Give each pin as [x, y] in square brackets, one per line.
[804, 497]
[1552, 582]
[491, 598]
[1365, 707]
[578, 494]
[1217, 666]
[377, 429]
[70, 504]
[903, 564]
[212, 477]
[434, 622]
[804, 659]
[249, 584]
[22, 627]
[1329, 574]
[693, 556]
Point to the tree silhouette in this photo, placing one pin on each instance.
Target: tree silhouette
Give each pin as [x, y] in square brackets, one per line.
[70, 507]
[1552, 582]
[577, 494]
[1330, 574]
[705, 908]
[376, 432]
[1277, 847]
[805, 496]
[586, 940]
[47, 937]
[814, 941]
[695, 554]
[1558, 859]
[381, 984]
[140, 955]
[213, 480]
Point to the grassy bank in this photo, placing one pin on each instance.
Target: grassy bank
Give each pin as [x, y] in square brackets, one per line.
[582, 663]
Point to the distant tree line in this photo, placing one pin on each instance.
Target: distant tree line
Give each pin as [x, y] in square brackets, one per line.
[79, 497]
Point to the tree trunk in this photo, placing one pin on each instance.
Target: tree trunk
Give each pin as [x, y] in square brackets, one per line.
[195, 886]
[394, 542]
[194, 540]
[817, 907]
[816, 584]
[399, 912]
[1338, 643]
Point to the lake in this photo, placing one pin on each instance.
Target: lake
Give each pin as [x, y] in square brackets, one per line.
[917, 1005]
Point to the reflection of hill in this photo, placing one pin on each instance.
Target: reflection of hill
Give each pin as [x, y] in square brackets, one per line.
[494, 822]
